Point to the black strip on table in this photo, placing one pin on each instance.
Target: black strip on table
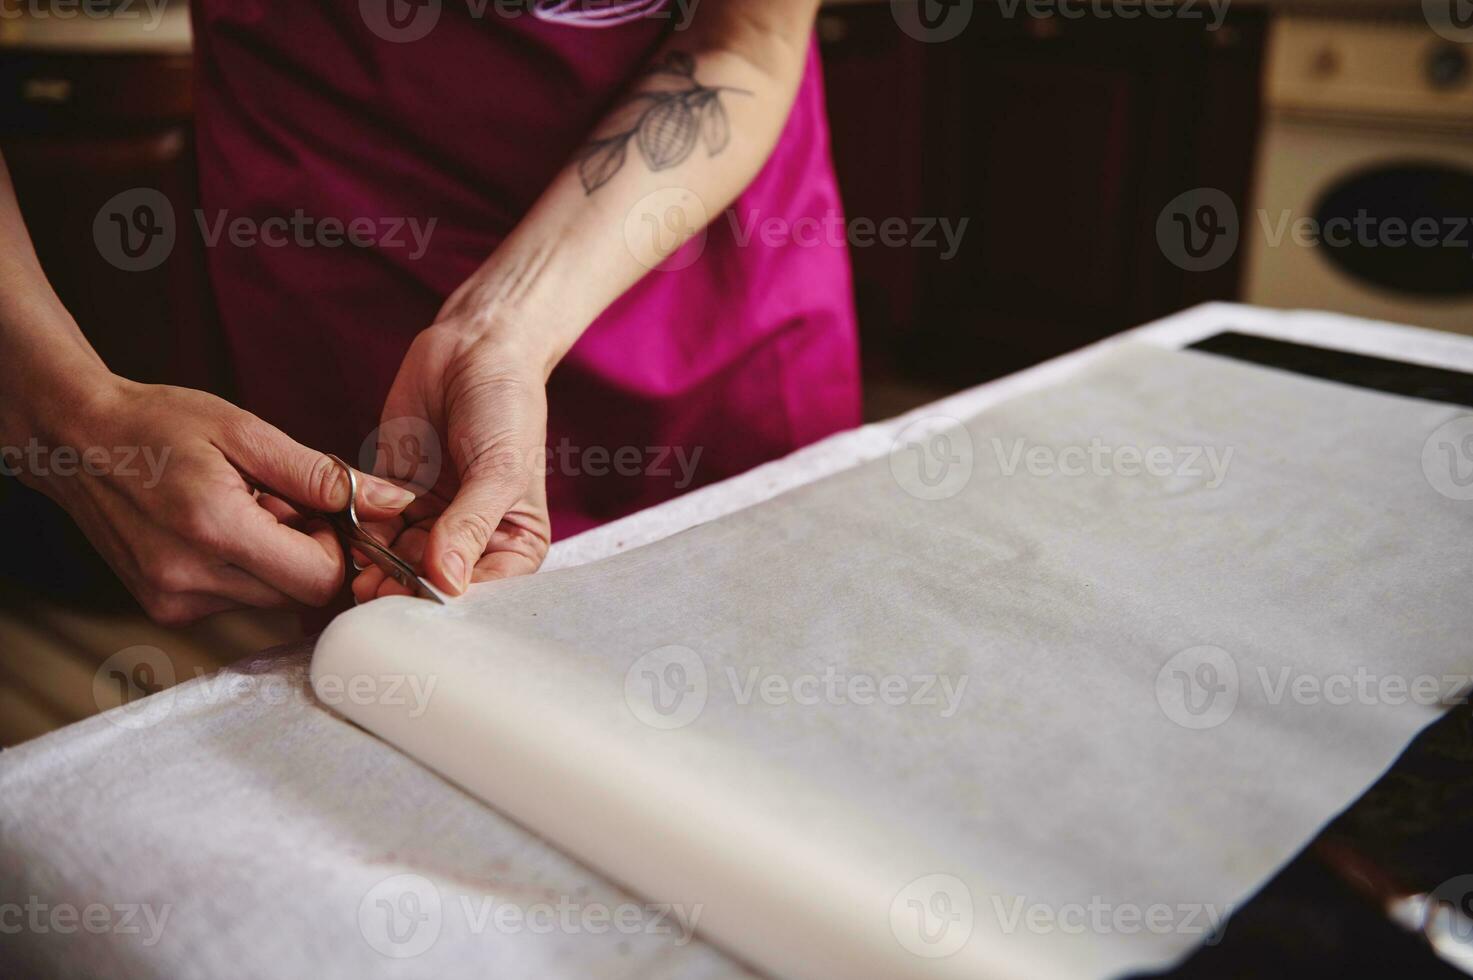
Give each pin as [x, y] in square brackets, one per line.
[1415, 822]
[1359, 370]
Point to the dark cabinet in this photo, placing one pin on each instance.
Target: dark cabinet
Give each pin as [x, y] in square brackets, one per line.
[1060, 141]
[79, 132]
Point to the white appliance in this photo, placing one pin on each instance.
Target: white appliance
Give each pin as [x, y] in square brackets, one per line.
[1364, 200]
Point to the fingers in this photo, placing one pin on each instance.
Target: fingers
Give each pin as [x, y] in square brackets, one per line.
[305, 565]
[304, 476]
[513, 550]
[505, 564]
[242, 588]
[284, 512]
[372, 583]
[221, 589]
[367, 582]
[183, 608]
[460, 536]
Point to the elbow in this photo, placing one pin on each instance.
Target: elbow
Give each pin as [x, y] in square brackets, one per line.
[772, 39]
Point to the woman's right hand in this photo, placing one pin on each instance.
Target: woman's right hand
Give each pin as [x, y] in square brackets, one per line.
[185, 496]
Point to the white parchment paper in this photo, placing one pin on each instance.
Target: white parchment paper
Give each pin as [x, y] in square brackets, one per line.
[250, 832]
[1044, 694]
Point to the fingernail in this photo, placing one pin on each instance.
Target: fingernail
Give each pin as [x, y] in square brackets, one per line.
[455, 572]
[387, 495]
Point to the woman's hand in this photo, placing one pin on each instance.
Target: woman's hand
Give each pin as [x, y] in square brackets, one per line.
[482, 511]
[478, 375]
[185, 497]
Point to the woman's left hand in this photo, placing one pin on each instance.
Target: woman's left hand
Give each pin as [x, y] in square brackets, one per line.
[482, 509]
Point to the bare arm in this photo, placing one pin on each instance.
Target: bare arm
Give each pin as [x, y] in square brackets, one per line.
[693, 132]
[39, 341]
[186, 534]
[690, 135]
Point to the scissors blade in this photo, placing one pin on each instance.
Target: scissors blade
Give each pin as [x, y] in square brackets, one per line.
[392, 565]
[354, 534]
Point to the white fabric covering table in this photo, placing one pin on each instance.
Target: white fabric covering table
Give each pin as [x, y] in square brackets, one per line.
[268, 837]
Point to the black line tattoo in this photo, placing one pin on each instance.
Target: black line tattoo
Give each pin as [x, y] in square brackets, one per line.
[666, 130]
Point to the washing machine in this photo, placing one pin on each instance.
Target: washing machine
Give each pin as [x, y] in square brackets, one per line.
[1364, 195]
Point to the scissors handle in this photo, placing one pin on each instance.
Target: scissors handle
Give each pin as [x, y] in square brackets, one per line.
[354, 535]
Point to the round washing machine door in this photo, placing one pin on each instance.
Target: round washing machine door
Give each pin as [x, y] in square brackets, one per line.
[1401, 227]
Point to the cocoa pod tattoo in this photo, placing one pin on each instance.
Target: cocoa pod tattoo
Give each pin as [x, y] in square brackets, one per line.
[669, 123]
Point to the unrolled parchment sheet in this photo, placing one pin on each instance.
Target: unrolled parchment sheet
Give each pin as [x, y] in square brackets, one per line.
[978, 708]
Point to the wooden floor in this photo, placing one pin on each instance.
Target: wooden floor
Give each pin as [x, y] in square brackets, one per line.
[59, 664]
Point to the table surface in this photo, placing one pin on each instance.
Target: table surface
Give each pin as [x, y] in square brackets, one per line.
[261, 824]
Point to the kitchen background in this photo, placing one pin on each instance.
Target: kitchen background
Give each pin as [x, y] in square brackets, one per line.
[1113, 161]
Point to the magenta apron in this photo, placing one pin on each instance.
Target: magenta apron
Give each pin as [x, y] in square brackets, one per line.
[379, 150]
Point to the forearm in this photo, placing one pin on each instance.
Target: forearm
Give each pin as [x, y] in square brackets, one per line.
[689, 136]
[40, 344]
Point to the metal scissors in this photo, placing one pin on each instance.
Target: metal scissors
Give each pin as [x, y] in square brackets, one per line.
[352, 534]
